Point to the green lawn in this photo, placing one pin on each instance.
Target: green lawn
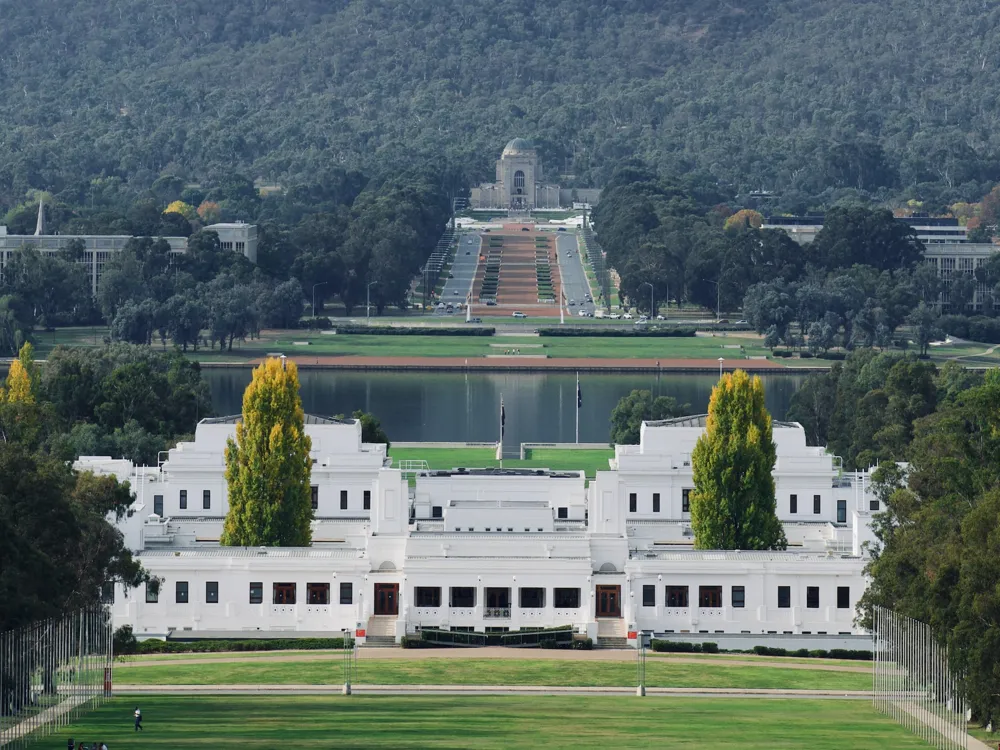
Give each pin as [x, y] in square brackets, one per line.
[359, 721]
[569, 459]
[575, 673]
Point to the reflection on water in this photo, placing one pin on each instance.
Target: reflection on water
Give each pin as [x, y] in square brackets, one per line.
[447, 406]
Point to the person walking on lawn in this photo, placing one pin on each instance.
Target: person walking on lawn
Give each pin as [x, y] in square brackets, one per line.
[138, 719]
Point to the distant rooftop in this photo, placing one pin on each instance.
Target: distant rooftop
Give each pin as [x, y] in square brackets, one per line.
[309, 419]
[699, 420]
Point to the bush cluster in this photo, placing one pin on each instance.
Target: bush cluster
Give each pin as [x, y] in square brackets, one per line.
[978, 328]
[208, 646]
[833, 653]
[684, 647]
[619, 332]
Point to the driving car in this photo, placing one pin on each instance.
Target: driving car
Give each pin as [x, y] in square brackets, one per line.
[614, 316]
[572, 303]
[474, 320]
[561, 229]
[491, 303]
[518, 314]
[660, 317]
[583, 314]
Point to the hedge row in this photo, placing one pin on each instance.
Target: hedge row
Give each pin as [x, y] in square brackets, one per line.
[410, 331]
[683, 647]
[270, 644]
[833, 653]
[619, 332]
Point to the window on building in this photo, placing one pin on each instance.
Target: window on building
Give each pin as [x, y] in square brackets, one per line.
[566, 598]
[463, 596]
[347, 593]
[817, 504]
[739, 597]
[343, 499]
[256, 592]
[632, 502]
[873, 505]
[843, 597]
[497, 597]
[314, 497]
[184, 499]
[710, 597]
[793, 504]
[519, 180]
[841, 511]
[367, 500]
[211, 592]
[812, 597]
[648, 595]
[676, 596]
[283, 593]
[428, 596]
[206, 499]
[437, 511]
[531, 598]
[318, 593]
[562, 513]
[158, 505]
[784, 597]
[685, 501]
[656, 502]
[152, 592]
[181, 592]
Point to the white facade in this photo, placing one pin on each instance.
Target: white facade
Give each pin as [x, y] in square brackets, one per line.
[487, 549]
[238, 237]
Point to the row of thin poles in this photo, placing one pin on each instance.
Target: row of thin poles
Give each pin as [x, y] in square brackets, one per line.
[913, 681]
[51, 672]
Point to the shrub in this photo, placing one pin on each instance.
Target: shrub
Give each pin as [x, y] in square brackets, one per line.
[323, 323]
[207, 646]
[680, 647]
[834, 355]
[709, 648]
[356, 330]
[954, 325]
[819, 654]
[805, 355]
[985, 330]
[124, 641]
[849, 653]
[648, 332]
[769, 651]
[583, 644]
[781, 353]
[802, 653]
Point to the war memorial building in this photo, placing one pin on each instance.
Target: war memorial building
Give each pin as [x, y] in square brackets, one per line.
[520, 185]
[494, 550]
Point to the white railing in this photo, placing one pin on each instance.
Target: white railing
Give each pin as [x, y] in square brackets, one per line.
[496, 613]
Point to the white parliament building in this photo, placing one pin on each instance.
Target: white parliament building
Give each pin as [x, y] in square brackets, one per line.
[493, 550]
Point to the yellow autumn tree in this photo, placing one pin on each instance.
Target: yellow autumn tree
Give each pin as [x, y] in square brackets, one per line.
[182, 208]
[268, 466]
[744, 218]
[22, 379]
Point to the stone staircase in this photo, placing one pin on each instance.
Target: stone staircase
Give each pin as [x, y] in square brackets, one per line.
[611, 633]
[381, 632]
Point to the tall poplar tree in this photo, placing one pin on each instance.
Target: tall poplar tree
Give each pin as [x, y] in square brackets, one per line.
[268, 466]
[733, 503]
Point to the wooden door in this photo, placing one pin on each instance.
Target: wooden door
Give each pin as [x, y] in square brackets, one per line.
[609, 601]
[386, 598]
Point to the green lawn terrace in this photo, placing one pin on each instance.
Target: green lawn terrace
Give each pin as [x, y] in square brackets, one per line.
[224, 722]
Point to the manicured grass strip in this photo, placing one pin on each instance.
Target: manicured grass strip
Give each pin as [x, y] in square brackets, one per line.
[569, 459]
[659, 673]
[359, 721]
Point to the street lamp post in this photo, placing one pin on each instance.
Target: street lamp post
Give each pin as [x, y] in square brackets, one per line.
[652, 312]
[368, 301]
[721, 360]
[322, 283]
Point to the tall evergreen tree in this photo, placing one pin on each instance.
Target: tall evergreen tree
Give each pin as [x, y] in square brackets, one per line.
[733, 503]
[267, 466]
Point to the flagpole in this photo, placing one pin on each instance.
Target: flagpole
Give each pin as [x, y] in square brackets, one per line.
[578, 407]
[500, 444]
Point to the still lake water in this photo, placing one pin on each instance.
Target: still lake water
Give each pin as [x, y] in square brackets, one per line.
[455, 407]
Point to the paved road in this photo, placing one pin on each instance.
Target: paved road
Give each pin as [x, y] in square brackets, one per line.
[463, 272]
[574, 278]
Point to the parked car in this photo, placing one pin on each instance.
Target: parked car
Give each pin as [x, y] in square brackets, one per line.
[491, 303]
[440, 306]
[474, 320]
[518, 314]
[660, 317]
[572, 303]
[583, 314]
[627, 316]
[561, 229]
[614, 316]
[741, 323]
[525, 229]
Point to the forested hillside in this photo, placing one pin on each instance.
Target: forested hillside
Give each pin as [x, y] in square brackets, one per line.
[799, 96]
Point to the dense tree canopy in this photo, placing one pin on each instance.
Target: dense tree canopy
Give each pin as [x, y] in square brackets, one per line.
[870, 96]
[637, 407]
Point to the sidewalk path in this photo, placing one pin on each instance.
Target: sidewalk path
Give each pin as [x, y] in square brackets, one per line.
[362, 689]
